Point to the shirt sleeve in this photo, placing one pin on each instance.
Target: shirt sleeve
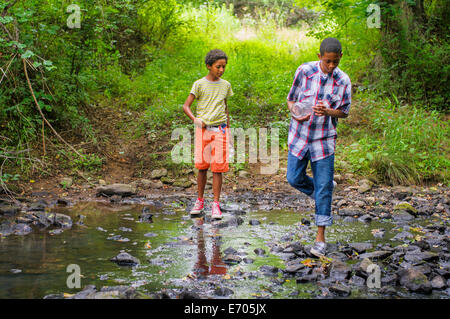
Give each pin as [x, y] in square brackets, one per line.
[230, 91]
[346, 99]
[195, 90]
[296, 85]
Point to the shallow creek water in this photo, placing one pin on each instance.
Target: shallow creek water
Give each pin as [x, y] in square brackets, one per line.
[174, 250]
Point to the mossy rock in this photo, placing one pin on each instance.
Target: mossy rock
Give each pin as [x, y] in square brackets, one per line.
[406, 207]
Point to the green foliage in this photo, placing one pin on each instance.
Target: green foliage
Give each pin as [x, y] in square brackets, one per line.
[85, 162]
[405, 144]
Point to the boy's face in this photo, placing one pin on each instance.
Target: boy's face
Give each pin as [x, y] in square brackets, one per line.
[217, 69]
[329, 61]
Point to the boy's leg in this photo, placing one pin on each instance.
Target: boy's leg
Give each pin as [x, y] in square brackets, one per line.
[323, 171]
[217, 186]
[201, 182]
[296, 174]
[219, 165]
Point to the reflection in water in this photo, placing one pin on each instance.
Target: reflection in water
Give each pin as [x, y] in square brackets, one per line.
[216, 266]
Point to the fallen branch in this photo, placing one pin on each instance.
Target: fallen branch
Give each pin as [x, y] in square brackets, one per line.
[42, 114]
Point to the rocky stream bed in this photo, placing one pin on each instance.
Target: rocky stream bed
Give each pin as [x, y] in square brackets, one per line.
[133, 246]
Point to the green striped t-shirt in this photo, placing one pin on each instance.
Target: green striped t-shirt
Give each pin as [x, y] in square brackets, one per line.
[211, 97]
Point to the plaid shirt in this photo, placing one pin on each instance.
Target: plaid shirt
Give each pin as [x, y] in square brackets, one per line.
[318, 135]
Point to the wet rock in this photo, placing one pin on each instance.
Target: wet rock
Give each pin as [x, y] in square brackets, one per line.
[307, 278]
[389, 279]
[365, 218]
[364, 186]
[54, 296]
[419, 256]
[339, 270]
[112, 292]
[401, 192]
[361, 268]
[182, 183]
[403, 235]
[259, 252]
[186, 294]
[357, 281]
[340, 290]
[150, 234]
[15, 271]
[146, 218]
[269, 270]
[125, 259]
[61, 220]
[359, 203]
[7, 210]
[351, 212]
[405, 206]
[55, 231]
[349, 219]
[116, 189]
[248, 260]
[438, 282]
[166, 180]
[101, 229]
[116, 292]
[231, 259]
[305, 221]
[81, 219]
[125, 229]
[158, 173]
[293, 268]
[230, 251]
[254, 222]
[223, 292]
[22, 229]
[231, 221]
[38, 206]
[402, 216]
[361, 247]
[376, 255]
[414, 281]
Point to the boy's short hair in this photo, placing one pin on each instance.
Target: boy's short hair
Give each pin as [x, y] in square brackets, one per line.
[215, 55]
[330, 45]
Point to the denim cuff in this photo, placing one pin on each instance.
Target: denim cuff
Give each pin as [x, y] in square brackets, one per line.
[324, 220]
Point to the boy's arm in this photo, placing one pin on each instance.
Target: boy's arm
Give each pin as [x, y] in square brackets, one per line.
[228, 115]
[187, 110]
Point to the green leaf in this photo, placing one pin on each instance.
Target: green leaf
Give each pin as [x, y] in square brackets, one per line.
[6, 19]
[37, 64]
[48, 63]
[27, 54]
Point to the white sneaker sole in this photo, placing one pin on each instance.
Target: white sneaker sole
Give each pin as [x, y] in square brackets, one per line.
[196, 212]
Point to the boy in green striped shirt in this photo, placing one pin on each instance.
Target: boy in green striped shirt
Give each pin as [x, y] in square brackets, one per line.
[212, 128]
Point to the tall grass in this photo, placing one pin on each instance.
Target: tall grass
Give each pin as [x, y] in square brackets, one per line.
[401, 144]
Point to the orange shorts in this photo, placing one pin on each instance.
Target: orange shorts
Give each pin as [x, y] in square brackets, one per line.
[211, 150]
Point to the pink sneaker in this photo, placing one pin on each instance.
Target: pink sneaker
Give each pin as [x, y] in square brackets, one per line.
[198, 207]
[216, 213]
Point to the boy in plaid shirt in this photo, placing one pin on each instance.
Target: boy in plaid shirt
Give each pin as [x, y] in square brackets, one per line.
[312, 138]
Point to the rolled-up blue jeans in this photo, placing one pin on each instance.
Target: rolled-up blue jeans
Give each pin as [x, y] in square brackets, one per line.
[321, 184]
